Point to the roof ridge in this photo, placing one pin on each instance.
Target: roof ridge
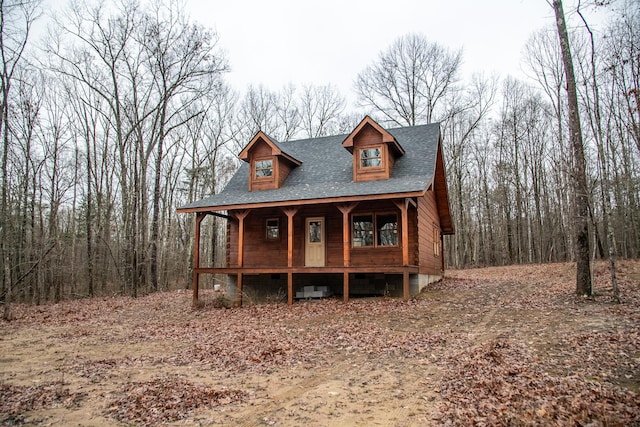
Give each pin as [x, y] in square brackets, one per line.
[344, 135]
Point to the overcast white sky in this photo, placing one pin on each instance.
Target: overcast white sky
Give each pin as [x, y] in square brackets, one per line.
[274, 42]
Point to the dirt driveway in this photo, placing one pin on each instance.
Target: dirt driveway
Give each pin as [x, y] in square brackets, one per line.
[495, 346]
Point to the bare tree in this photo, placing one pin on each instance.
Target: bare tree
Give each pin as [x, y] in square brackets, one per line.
[258, 111]
[466, 110]
[185, 67]
[288, 112]
[320, 108]
[620, 85]
[95, 50]
[57, 181]
[211, 144]
[594, 108]
[409, 81]
[28, 162]
[16, 20]
[623, 65]
[141, 71]
[581, 194]
[544, 59]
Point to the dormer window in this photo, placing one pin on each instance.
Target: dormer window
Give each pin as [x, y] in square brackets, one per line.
[374, 151]
[269, 165]
[371, 157]
[264, 168]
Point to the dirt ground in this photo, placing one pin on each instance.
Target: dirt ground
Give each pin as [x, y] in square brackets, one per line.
[492, 346]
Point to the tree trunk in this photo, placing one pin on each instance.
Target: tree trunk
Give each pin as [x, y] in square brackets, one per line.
[6, 315]
[155, 216]
[581, 196]
[89, 220]
[5, 222]
[605, 190]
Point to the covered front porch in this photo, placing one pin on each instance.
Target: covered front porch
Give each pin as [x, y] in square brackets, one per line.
[314, 241]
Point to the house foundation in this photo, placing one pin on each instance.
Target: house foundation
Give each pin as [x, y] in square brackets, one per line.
[273, 287]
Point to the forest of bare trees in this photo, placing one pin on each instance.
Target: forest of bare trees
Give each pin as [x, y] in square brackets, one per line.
[121, 113]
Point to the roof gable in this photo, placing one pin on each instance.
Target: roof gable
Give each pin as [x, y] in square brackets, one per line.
[439, 186]
[387, 138]
[261, 137]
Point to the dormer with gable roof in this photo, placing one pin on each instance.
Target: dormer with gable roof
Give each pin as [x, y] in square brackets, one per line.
[269, 164]
[374, 151]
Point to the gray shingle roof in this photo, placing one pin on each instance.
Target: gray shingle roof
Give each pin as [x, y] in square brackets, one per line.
[327, 171]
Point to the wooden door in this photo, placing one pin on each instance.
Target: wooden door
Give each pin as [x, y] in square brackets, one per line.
[314, 242]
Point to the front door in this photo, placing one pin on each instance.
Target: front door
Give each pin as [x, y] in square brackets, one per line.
[314, 242]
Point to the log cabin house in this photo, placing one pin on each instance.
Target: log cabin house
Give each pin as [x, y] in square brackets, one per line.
[362, 213]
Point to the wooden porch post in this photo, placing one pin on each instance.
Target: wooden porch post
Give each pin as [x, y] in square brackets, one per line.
[404, 224]
[240, 215]
[290, 212]
[346, 252]
[196, 258]
[345, 286]
[442, 253]
[346, 246]
[403, 205]
[405, 285]
[290, 287]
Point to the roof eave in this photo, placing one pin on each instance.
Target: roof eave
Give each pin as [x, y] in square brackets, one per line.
[298, 202]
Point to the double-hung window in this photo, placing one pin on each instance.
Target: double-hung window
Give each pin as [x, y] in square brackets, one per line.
[371, 157]
[263, 168]
[273, 229]
[387, 230]
[362, 230]
[374, 230]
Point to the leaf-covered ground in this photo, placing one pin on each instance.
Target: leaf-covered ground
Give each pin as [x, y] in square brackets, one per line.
[495, 346]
